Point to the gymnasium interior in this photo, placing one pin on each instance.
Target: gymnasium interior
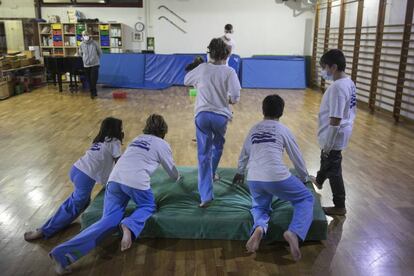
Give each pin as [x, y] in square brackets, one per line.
[50, 114]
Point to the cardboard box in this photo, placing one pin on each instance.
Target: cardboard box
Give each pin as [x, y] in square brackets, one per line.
[11, 57]
[6, 89]
[21, 56]
[25, 62]
[5, 64]
[15, 64]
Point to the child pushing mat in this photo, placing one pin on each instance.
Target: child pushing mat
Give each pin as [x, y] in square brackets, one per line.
[130, 179]
[94, 166]
[268, 176]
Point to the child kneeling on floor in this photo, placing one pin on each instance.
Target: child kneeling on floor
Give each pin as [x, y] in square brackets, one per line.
[268, 176]
[130, 179]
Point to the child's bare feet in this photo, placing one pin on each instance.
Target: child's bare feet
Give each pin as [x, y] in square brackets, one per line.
[253, 243]
[126, 241]
[59, 269]
[292, 239]
[313, 179]
[33, 235]
[205, 204]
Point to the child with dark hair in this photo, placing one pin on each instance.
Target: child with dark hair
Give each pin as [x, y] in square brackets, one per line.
[268, 176]
[130, 179]
[94, 166]
[217, 86]
[336, 119]
[196, 62]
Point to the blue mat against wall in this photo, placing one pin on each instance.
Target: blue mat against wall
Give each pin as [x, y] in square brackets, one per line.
[168, 69]
[275, 72]
[122, 70]
[149, 71]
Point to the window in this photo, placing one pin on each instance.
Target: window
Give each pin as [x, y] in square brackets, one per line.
[94, 3]
[56, 1]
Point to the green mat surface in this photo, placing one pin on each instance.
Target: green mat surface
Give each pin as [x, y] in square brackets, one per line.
[227, 218]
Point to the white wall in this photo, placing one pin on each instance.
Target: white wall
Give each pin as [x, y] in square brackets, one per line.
[17, 8]
[127, 16]
[261, 27]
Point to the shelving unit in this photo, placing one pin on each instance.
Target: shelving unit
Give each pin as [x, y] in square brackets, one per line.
[64, 39]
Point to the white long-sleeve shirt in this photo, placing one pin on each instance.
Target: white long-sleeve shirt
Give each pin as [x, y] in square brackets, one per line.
[98, 161]
[215, 84]
[142, 157]
[262, 153]
[338, 101]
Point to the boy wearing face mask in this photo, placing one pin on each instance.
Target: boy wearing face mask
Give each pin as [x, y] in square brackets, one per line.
[229, 40]
[336, 118]
[90, 52]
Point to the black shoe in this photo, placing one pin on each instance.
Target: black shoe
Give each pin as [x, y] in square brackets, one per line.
[93, 97]
[334, 211]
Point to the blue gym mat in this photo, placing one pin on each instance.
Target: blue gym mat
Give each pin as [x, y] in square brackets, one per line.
[274, 72]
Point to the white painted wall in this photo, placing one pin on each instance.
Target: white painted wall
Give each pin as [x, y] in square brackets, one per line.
[17, 8]
[261, 27]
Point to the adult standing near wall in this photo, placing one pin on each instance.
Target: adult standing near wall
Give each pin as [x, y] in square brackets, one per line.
[228, 37]
[229, 40]
[90, 52]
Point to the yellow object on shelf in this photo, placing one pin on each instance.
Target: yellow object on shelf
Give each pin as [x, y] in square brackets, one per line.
[104, 27]
[56, 26]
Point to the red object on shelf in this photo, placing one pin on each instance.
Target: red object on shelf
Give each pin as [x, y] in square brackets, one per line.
[57, 32]
[57, 43]
[119, 94]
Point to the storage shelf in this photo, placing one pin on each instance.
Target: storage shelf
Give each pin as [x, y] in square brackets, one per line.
[69, 31]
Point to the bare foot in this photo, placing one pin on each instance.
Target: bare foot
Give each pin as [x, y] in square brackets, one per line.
[313, 179]
[33, 235]
[59, 269]
[253, 243]
[292, 239]
[126, 241]
[205, 204]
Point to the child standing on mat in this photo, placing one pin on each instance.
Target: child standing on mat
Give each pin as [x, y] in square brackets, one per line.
[94, 166]
[217, 86]
[336, 119]
[268, 176]
[130, 179]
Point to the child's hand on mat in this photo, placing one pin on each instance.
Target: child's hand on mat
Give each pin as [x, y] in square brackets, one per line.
[180, 179]
[238, 179]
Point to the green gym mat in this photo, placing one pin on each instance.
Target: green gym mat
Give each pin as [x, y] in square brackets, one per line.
[227, 218]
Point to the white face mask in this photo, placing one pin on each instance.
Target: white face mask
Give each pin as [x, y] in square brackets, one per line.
[228, 35]
[325, 75]
[85, 37]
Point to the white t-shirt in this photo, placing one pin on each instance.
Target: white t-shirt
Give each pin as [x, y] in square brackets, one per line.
[215, 84]
[142, 157]
[262, 153]
[339, 101]
[98, 161]
[231, 42]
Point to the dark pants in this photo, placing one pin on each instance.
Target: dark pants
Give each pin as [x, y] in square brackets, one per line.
[331, 169]
[91, 74]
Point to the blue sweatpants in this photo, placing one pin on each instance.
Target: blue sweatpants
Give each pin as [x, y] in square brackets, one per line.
[210, 131]
[73, 205]
[116, 199]
[292, 190]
